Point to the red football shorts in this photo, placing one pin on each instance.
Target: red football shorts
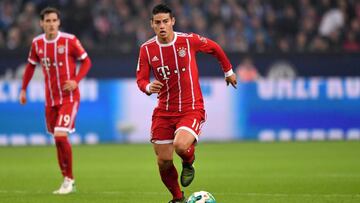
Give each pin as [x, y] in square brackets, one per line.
[61, 117]
[164, 126]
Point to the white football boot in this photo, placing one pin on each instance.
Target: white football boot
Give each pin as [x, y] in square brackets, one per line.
[68, 186]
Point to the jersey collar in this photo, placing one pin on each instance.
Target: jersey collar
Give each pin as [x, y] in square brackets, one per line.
[168, 44]
[54, 40]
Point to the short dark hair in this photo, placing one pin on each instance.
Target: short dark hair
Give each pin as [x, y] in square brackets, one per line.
[48, 10]
[162, 8]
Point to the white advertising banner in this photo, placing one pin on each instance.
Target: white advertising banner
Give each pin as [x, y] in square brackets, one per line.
[138, 107]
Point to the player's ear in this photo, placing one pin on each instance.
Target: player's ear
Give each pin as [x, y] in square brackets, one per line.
[173, 21]
[41, 22]
[151, 23]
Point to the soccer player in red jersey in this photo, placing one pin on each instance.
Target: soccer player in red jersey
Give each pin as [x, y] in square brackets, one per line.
[180, 114]
[57, 53]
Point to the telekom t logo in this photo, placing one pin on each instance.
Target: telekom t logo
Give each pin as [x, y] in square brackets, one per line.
[46, 62]
[164, 72]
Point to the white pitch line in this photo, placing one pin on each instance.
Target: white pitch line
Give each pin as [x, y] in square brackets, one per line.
[83, 192]
[290, 195]
[215, 194]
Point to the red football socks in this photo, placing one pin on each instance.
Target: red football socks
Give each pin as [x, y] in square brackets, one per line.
[64, 155]
[189, 155]
[169, 177]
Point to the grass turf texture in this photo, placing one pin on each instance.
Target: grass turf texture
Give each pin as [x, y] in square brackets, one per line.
[249, 172]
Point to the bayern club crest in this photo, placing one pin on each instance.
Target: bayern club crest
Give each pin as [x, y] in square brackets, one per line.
[61, 49]
[181, 51]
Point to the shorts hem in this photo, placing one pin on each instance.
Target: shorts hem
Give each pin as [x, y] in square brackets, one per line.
[189, 130]
[162, 141]
[62, 129]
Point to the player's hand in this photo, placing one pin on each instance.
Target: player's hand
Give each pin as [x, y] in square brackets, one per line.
[231, 80]
[70, 85]
[22, 97]
[155, 86]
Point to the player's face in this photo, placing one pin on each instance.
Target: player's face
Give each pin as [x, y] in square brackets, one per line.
[50, 24]
[163, 25]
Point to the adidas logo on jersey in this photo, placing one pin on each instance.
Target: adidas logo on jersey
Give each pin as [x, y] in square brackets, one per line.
[155, 58]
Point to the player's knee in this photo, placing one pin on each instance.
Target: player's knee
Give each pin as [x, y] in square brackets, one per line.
[180, 148]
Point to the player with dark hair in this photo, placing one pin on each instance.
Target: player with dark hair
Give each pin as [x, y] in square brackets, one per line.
[57, 53]
[180, 114]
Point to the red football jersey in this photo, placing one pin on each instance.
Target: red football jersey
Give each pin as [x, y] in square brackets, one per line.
[58, 59]
[174, 64]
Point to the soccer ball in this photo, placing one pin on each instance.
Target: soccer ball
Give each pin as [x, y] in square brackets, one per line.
[201, 197]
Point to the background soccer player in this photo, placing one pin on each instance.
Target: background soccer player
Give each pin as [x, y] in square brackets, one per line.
[180, 114]
[58, 53]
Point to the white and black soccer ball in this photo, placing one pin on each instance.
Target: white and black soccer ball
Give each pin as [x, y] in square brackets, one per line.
[201, 197]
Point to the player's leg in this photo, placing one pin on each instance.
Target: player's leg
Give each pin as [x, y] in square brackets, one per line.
[64, 153]
[64, 125]
[168, 172]
[185, 148]
[184, 145]
[186, 135]
[51, 116]
[162, 139]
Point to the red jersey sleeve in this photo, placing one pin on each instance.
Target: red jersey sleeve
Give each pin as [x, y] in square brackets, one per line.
[84, 69]
[33, 57]
[143, 70]
[208, 46]
[28, 74]
[77, 49]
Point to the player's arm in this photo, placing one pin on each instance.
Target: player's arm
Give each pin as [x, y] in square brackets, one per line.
[231, 79]
[143, 75]
[210, 47]
[71, 85]
[155, 86]
[28, 73]
[85, 65]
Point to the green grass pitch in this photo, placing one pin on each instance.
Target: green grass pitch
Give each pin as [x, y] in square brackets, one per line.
[239, 172]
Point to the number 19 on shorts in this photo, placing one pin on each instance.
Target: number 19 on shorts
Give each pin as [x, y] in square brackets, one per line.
[64, 120]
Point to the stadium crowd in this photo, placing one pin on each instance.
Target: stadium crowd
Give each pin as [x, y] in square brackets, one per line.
[237, 25]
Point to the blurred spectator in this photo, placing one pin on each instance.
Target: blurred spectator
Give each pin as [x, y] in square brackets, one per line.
[350, 44]
[259, 46]
[323, 6]
[28, 22]
[270, 23]
[238, 25]
[334, 41]
[246, 70]
[309, 27]
[288, 23]
[318, 44]
[13, 40]
[199, 22]
[7, 14]
[103, 28]
[283, 45]
[235, 34]
[301, 43]
[2, 40]
[332, 20]
[355, 27]
[81, 21]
